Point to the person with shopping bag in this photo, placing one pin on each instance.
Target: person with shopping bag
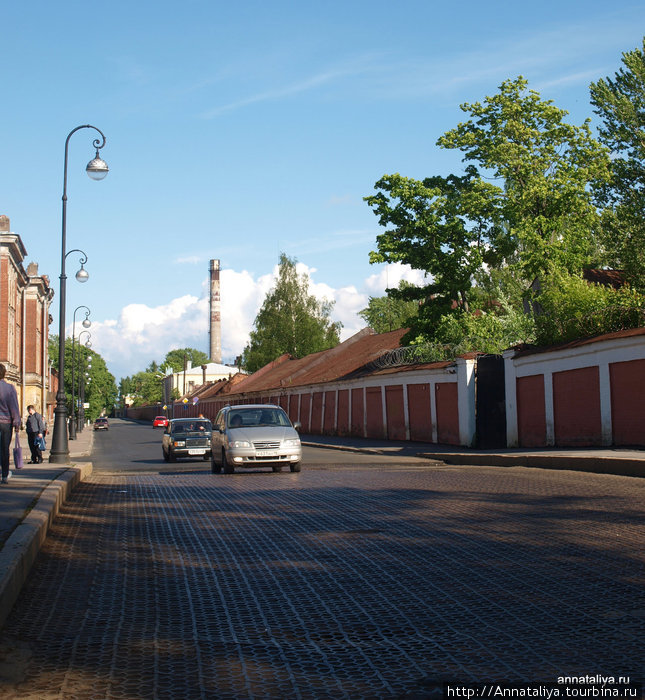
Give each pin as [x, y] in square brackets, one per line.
[35, 435]
[9, 419]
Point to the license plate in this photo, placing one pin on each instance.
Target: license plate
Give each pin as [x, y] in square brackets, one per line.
[267, 453]
[196, 452]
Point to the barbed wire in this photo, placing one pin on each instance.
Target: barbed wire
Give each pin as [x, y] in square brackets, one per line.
[416, 354]
[608, 320]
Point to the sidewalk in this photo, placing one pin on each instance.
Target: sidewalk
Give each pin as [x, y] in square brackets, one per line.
[28, 504]
[620, 462]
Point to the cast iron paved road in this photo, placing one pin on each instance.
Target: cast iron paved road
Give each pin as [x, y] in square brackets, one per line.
[341, 581]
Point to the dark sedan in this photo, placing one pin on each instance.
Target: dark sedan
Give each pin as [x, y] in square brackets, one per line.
[187, 437]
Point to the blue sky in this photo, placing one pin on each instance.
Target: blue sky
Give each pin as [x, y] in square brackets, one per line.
[239, 130]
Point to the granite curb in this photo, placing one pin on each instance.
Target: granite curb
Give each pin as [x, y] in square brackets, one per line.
[597, 462]
[19, 551]
[21, 548]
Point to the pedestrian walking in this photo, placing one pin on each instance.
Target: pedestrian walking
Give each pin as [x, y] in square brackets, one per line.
[35, 433]
[9, 419]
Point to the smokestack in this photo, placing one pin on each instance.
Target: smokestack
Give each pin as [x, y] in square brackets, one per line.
[215, 332]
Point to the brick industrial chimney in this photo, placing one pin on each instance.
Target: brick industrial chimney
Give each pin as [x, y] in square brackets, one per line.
[215, 332]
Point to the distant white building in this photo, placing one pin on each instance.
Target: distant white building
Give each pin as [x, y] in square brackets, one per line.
[186, 381]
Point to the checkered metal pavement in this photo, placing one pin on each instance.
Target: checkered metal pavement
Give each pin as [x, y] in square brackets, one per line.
[332, 583]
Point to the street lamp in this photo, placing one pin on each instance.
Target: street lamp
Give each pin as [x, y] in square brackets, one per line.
[86, 324]
[81, 390]
[83, 372]
[97, 169]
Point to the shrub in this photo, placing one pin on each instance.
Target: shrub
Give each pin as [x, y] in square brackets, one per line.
[574, 308]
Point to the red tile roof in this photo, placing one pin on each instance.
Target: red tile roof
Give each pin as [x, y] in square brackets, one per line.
[324, 366]
[610, 278]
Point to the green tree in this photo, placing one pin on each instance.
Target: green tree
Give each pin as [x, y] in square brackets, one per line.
[175, 359]
[537, 217]
[290, 321]
[390, 312]
[544, 166]
[436, 228]
[146, 387]
[100, 386]
[620, 104]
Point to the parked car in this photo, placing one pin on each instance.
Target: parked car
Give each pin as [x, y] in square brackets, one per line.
[187, 437]
[255, 435]
[101, 423]
[160, 422]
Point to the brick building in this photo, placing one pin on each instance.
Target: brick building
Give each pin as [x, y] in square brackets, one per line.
[25, 298]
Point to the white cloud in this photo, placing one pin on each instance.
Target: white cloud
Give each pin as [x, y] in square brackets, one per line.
[389, 276]
[143, 334]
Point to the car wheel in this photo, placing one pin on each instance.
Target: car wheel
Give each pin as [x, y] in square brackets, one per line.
[228, 468]
[207, 456]
[277, 468]
[295, 467]
[171, 457]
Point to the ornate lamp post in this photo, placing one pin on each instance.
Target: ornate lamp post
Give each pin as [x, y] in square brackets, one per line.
[83, 376]
[97, 169]
[86, 324]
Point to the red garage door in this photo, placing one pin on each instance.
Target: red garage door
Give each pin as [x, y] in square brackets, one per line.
[446, 399]
[419, 413]
[628, 402]
[576, 407]
[531, 411]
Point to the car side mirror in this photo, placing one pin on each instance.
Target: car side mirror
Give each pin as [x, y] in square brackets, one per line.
[297, 425]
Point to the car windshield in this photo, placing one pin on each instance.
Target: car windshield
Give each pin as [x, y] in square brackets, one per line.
[256, 417]
[195, 426]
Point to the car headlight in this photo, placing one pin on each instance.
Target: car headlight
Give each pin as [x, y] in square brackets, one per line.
[291, 442]
[180, 443]
[239, 443]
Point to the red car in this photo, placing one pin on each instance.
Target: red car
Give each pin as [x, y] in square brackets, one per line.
[160, 422]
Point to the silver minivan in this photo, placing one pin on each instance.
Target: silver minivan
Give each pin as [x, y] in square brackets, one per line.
[254, 435]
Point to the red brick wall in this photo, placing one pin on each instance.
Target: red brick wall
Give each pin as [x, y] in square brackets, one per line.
[31, 348]
[628, 402]
[576, 407]
[447, 402]
[419, 412]
[4, 309]
[395, 412]
[531, 411]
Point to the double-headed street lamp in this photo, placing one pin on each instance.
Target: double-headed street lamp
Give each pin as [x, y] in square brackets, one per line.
[97, 169]
[86, 324]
